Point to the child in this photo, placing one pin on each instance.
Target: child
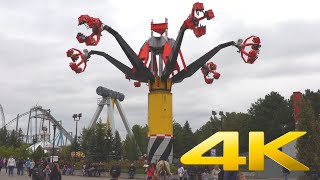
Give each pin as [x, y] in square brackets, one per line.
[205, 175]
[241, 176]
[47, 172]
[150, 171]
[181, 172]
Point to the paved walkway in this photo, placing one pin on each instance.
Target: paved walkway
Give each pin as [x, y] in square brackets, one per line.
[4, 176]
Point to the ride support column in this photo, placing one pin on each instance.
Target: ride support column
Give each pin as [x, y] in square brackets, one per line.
[160, 146]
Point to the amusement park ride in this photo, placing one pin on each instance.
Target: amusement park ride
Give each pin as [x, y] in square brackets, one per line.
[156, 64]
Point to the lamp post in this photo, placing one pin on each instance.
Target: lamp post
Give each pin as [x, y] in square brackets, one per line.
[222, 116]
[54, 139]
[75, 116]
[34, 140]
[44, 130]
[214, 113]
[107, 140]
[80, 149]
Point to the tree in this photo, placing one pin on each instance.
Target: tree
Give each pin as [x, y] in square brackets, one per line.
[314, 99]
[97, 143]
[20, 137]
[84, 140]
[21, 152]
[117, 146]
[75, 144]
[270, 115]
[177, 140]
[188, 138]
[13, 139]
[66, 153]
[212, 126]
[38, 153]
[238, 122]
[3, 136]
[108, 145]
[140, 134]
[129, 149]
[307, 146]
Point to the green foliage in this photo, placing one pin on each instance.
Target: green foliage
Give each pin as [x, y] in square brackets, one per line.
[212, 126]
[188, 138]
[11, 144]
[307, 146]
[65, 153]
[177, 141]
[140, 134]
[238, 122]
[117, 146]
[4, 134]
[38, 153]
[270, 115]
[13, 138]
[130, 151]
[314, 99]
[97, 143]
[20, 152]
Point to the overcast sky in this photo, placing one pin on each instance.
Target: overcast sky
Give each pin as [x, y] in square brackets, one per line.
[34, 69]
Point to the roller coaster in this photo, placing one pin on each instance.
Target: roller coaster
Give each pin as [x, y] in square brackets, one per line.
[3, 119]
[38, 121]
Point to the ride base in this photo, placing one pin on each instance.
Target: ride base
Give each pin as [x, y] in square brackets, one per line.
[160, 121]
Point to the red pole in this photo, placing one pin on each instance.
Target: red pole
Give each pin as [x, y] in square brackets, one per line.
[296, 98]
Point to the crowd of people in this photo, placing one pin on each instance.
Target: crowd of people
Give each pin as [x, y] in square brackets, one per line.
[67, 169]
[20, 164]
[203, 173]
[199, 173]
[161, 171]
[42, 170]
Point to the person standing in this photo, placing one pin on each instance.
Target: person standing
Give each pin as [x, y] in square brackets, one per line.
[162, 170]
[1, 164]
[230, 175]
[205, 175]
[11, 164]
[215, 172]
[17, 166]
[150, 171]
[241, 176]
[181, 172]
[47, 172]
[21, 166]
[32, 165]
[199, 171]
[115, 172]
[286, 173]
[5, 162]
[192, 172]
[28, 166]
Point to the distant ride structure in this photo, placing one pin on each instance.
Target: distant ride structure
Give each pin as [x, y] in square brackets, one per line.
[3, 118]
[111, 98]
[158, 67]
[39, 125]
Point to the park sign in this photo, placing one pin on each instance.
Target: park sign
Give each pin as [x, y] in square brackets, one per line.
[257, 149]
